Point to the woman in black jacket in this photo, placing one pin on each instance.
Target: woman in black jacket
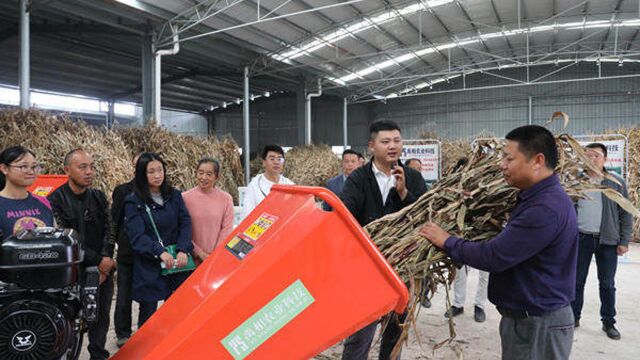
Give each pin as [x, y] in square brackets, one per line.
[154, 200]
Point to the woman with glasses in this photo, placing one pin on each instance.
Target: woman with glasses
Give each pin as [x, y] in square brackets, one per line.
[260, 186]
[211, 209]
[155, 217]
[19, 209]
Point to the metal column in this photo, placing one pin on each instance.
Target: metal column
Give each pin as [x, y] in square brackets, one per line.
[301, 93]
[157, 90]
[111, 114]
[307, 121]
[245, 117]
[148, 64]
[25, 81]
[344, 123]
[530, 110]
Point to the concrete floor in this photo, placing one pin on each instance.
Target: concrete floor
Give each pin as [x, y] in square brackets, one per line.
[481, 341]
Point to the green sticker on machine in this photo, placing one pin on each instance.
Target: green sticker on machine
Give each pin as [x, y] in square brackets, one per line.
[267, 321]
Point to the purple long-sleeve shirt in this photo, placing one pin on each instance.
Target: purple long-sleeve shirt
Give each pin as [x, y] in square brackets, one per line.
[533, 260]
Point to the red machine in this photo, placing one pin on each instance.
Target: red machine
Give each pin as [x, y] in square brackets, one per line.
[290, 281]
[46, 184]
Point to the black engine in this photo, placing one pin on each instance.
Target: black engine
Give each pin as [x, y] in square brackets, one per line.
[47, 299]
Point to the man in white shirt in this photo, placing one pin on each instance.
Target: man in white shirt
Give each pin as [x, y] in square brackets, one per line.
[273, 164]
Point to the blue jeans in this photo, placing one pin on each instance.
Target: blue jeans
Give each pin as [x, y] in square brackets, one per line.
[607, 264]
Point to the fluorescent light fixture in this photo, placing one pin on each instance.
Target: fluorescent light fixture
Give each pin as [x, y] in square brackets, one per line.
[361, 25]
[423, 85]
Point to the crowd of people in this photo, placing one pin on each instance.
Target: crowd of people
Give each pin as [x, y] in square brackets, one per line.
[146, 218]
[536, 267]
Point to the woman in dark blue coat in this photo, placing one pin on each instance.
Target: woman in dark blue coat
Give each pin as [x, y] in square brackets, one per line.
[152, 190]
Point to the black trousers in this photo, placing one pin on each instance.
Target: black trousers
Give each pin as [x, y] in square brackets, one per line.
[357, 346]
[98, 330]
[147, 308]
[122, 316]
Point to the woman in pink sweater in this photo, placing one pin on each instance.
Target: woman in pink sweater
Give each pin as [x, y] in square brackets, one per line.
[211, 210]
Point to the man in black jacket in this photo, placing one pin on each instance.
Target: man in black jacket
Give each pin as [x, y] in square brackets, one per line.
[77, 206]
[381, 187]
[122, 315]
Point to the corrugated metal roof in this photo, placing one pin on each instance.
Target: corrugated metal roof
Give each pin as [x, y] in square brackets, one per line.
[374, 47]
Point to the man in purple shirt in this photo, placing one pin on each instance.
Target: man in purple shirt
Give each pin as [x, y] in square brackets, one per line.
[532, 262]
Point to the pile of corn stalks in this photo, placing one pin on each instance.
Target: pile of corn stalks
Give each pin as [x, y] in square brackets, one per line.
[473, 203]
[311, 165]
[183, 152]
[52, 136]
[255, 166]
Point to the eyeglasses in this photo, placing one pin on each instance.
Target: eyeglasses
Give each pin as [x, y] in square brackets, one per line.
[26, 168]
[277, 159]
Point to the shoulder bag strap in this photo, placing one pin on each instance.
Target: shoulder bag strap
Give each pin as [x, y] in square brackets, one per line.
[153, 224]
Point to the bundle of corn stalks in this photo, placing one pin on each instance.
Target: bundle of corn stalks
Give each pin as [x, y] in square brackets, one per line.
[311, 165]
[473, 203]
[51, 137]
[183, 152]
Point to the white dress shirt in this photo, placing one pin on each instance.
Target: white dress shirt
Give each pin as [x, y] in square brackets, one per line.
[385, 182]
[257, 190]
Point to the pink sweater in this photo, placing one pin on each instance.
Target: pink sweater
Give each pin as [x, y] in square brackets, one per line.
[211, 217]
